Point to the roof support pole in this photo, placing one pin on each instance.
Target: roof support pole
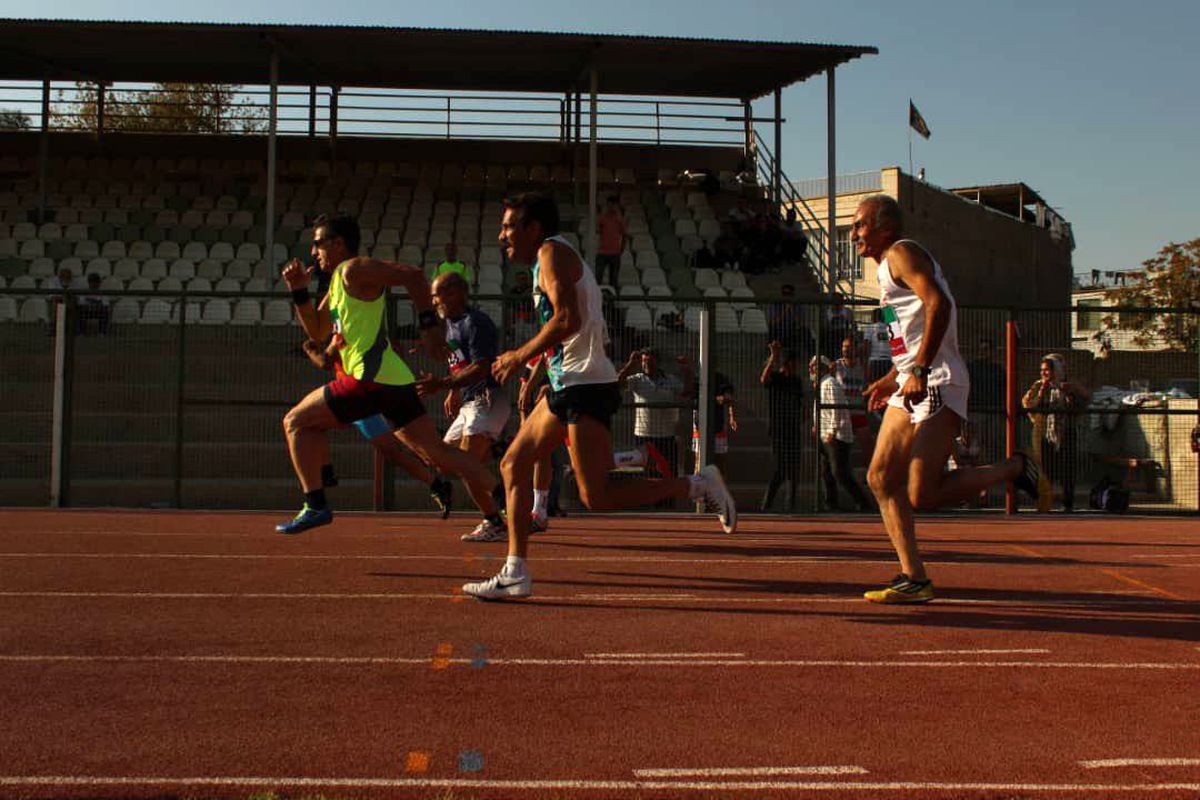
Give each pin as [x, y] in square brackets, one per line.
[578, 140]
[43, 151]
[592, 210]
[831, 243]
[748, 134]
[312, 129]
[312, 110]
[272, 122]
[100, 97]
[334, 91]
[777, 177]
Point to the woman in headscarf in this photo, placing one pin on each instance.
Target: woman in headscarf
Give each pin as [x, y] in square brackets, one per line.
[1056, 404]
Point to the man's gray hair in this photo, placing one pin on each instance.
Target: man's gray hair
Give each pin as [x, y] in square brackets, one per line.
[453, 280]
[887, 211]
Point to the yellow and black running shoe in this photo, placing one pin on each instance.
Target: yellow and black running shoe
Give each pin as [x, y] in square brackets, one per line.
[901, 590]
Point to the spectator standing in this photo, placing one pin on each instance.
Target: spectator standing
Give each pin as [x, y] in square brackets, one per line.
[1056, 403]
[988, 385]
[94, 307]
[452, 264]
[836, 435]
[649, 384]
[613, 232]
[852, 374]
[722, 412]
[987, 376]
[794, 247]
[784, 385]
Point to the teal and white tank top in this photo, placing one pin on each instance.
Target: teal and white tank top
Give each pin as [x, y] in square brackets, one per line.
[581, 358]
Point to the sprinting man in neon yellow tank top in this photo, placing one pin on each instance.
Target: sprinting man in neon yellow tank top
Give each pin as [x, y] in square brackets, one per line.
[376, 379]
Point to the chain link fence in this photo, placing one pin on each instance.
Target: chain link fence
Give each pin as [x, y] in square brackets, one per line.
[154, 407]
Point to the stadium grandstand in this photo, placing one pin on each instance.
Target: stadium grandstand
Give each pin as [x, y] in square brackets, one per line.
[186, 223]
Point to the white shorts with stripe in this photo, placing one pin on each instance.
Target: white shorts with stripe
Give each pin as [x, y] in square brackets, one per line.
[485, 415]
[949, 396]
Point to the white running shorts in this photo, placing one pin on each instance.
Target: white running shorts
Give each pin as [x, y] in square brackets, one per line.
[947, 396]
[486, 415]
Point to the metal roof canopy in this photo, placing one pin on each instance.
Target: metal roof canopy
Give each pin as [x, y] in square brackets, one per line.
[410, 58]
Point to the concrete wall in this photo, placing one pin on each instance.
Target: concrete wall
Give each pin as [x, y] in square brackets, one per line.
[989, 258]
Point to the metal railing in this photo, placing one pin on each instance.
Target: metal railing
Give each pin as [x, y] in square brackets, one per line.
[350, 111]
[792, 198]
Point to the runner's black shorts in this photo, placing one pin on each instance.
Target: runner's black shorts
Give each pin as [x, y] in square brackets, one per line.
[351, 400]
[596, 400]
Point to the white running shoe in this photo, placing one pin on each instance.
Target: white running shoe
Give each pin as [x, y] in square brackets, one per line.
[538, 524]
[486, 532]
[718, 499]
[500, 586]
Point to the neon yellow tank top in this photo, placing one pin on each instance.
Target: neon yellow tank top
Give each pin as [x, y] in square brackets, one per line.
[361, 331]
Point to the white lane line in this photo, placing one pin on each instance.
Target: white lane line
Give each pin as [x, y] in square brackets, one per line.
[595, 662]
[970, 652]
[746, 772]
[664, 655]
[1126, 600]
[1166, 555]
[367, 557]
[1140, 762]
[588, 785]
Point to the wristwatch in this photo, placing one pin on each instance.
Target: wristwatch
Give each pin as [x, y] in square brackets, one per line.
[919, 371]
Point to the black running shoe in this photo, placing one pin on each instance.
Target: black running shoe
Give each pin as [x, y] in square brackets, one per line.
[500, 496]
[1032, 481]
[441, 491]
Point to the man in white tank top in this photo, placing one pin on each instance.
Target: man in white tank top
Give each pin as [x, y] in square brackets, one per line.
[925, 395]
[583, 395]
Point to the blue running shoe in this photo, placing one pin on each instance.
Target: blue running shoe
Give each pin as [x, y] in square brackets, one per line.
[307, 518]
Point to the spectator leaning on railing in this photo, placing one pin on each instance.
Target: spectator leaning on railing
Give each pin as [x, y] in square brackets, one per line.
[782, 379]
[648, 383]
[835, 434]
[1055, 403]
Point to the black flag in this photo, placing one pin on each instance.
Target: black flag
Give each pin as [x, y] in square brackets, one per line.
[916, 121]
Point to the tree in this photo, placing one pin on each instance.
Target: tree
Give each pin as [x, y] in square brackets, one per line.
[1170, 279]
[13, 120]
[166, 108]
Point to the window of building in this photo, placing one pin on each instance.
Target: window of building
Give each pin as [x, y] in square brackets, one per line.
[1088, 320]
[850, 263]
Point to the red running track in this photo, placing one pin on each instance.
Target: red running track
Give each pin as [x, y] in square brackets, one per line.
[180, 654]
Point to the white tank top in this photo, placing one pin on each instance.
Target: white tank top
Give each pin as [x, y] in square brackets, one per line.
[904, 315]
[581, 358]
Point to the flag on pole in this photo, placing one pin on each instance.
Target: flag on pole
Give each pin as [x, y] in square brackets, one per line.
[916, 121]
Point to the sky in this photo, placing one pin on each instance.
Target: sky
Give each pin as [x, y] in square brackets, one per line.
[1093, 103]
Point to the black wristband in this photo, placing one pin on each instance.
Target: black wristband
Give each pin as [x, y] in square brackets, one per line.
[427, 319]
[300, 296]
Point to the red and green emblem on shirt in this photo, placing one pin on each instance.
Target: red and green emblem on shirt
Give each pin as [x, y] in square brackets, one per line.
[895, 336]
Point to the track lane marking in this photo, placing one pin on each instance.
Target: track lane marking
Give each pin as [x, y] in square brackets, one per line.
[971, 652]
[597, 662]
[1142, 584]
[1140, 762]
[1111, 573]
[664, 655]
[583, 784]
[1137, 600]
[746, 772]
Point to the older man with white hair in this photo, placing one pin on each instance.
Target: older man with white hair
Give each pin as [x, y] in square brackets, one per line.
[925, 396]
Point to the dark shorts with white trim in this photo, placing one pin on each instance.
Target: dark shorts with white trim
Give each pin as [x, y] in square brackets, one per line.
[351, 400]
[596, 400]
